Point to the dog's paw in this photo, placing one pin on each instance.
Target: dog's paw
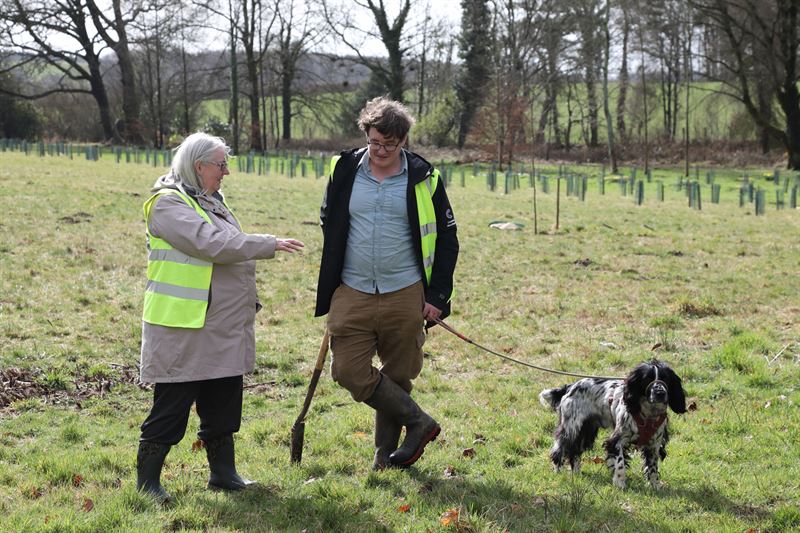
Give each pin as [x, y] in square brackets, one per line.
[619, 482]
[656, 485]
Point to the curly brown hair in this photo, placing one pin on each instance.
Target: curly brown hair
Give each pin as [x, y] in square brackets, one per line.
[390, 117]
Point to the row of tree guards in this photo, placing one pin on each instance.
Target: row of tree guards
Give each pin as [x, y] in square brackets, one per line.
[785, 187]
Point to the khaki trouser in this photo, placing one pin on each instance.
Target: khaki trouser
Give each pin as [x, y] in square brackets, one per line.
[362, 325]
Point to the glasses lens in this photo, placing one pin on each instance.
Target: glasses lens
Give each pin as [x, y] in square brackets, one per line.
[377, 146]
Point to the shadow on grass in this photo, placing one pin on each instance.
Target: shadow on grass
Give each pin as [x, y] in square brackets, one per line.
[703, 496]
[482, 505]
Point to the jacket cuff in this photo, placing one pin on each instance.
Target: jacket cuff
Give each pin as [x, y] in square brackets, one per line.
[436, 299]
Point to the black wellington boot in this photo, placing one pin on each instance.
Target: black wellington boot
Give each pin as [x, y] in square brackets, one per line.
[149, 461]
[222, 463]
[387, 435]
[390, 398]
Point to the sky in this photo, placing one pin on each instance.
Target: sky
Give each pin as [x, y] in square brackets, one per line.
[448, 10]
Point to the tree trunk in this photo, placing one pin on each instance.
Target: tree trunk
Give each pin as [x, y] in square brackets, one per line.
[185, 90]
[130, 94]
[789, 99]
[234, 96]
[253, 97]
[606, 106]
[100, 95]
[623, 75]
[591, 96]
[286, 98]
[251, 64]
[390, 36]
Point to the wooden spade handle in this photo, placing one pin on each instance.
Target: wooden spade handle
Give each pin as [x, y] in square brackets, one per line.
[312, 386]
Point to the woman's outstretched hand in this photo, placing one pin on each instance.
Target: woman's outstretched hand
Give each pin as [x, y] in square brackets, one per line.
[288, 245]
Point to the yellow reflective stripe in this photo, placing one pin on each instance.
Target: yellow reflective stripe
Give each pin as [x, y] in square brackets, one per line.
[166, 310]
[175, 256]
[183, 274]
[168, 289]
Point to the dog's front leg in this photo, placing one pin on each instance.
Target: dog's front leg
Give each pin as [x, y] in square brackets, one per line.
[650, 466]
[615, 459]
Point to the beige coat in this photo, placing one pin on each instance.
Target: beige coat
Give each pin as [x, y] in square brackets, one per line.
[225, 346]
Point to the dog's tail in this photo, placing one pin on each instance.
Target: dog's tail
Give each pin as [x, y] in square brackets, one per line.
[551, 398]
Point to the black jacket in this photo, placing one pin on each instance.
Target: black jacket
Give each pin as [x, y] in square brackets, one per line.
[335, 222]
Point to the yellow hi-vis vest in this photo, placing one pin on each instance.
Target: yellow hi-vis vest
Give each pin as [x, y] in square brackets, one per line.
[177, 284]
[423, 192]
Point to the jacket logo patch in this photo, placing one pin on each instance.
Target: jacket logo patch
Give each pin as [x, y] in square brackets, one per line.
[449, 215]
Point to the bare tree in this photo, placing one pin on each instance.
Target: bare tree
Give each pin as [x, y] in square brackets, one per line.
[761, 47]
[588, 20]
[114, 31]
[612, 151]
[624, 76]
[393, 34]
[30, 28]
[295, 35]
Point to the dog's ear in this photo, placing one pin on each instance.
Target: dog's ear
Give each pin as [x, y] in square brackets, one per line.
[635, 384]
[677, 396]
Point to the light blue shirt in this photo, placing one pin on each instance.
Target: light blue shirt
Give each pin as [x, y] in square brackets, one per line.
[380, 253]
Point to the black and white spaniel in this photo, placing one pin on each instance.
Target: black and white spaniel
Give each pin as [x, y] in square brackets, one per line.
[636, 409]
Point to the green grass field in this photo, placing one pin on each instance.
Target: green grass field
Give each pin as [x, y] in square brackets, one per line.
[713, 292]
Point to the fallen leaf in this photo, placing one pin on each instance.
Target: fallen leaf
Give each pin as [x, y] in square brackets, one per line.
[705, 421]
[479, 439]
[77, 480]
[627, 507]
[449, 517]
[88, 505]
[32, 493]
[539, 502]
[598, 460]
[117, 483]
[360, 434]
[403, 508]
[692, 406]
[469, 453]
[767, 405]
[312, 479]
[450, 471]
[656, 346]
[198, 445]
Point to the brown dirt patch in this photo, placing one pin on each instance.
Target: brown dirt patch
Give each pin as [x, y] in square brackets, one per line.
[23, 383]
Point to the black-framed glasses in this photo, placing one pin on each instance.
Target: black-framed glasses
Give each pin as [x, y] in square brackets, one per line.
[377, 146]
[223, 165]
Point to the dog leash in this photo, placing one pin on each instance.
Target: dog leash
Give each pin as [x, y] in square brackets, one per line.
[466, 339]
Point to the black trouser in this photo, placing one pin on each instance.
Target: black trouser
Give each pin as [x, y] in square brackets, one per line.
[219, 406]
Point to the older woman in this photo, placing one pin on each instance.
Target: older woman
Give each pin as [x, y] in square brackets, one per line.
[199, 312]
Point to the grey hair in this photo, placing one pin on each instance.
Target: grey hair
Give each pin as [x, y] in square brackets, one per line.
[196, 147]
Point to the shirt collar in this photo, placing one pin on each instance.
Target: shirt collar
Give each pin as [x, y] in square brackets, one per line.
[364, 163]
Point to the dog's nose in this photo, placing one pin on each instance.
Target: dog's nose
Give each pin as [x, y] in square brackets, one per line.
[659, 392]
